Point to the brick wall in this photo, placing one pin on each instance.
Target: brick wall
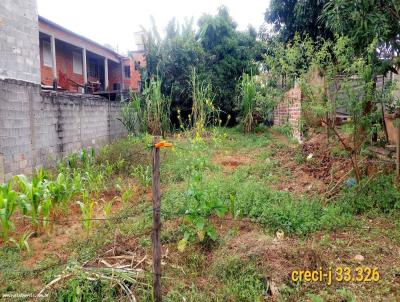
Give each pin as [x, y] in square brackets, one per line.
[288, 110]
[37, 128]
[135, 74]
[19, 44]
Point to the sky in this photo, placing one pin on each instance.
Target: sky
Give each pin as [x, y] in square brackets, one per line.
[115, 21]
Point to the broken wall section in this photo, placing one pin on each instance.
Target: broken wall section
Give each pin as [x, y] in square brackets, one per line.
[288, 111]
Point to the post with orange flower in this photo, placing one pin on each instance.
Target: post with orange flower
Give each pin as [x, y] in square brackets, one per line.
[156, 241]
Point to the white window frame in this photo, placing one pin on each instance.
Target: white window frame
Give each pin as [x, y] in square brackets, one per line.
[46, 54]
[77, 63]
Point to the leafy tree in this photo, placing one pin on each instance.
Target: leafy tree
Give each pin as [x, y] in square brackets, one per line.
[297, 16]
[218, 52]
[172, 59]
[229, 54]
[364, 21]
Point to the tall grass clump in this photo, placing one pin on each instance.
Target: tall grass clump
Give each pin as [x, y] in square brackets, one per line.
[156, 110]
[132, 115]
[147, 113]
[376, 195]
[248, 102]
[204, 113]
[256, 100]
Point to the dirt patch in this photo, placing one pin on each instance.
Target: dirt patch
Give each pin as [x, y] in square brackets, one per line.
[292, 176]
[321, 163]
[277, 258]
[231, 162]
[66, 227]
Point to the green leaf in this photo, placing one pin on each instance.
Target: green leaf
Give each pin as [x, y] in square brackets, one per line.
[199, 222]
[212, 233]
[182, 245]
[201, 235]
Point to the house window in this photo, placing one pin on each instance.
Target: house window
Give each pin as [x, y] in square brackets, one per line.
[127, 71]
[137, 65]
[47, 57]
[77, 62]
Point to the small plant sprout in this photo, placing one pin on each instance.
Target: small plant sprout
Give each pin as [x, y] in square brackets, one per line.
[142, 174]
[107, 209]
[127, 195]
[87, 209]
[22, 243]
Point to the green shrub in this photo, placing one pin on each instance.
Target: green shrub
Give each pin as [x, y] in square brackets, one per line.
[132, 115]
[82, 289]
[378, 194]
[248, 102]
[281, 210]
[252, 198]
[124, 154]
[285, 129]
[240, 278]
[149, 112]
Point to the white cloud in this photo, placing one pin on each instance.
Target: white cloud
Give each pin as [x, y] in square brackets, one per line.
[115, 21]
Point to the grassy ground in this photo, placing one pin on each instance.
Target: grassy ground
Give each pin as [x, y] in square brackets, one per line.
[278, 220]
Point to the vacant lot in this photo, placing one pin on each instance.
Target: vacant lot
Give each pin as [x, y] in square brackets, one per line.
[240, 213]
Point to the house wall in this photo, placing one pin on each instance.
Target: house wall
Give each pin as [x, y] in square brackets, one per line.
[288, 110]
[135, 74]
[128, 82]
[19, 45]
[71, 38]
[114, 74]
[64, 62]
[37, 128]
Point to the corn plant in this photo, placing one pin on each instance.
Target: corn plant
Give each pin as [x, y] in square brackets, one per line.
[107, 209]
[73, 161]
[60, 189]
[248, 102]
[77, 185]
[204, 113]
[34, 198]
[143, 174]
[132, 115]
[108, 169]
[127, 195]
[87, 158]
[87, 207]
[156, 110]
[22, 243]
[8, 204]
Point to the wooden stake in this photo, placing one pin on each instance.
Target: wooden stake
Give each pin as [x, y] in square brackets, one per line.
[398, 150]
[156, 242]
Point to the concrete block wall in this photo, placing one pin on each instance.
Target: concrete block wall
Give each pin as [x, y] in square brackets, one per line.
[19, 42]
[37, 128]
[288, 110]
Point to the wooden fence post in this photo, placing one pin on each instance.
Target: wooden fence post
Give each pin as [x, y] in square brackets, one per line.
[398, 149]
[156, 242]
